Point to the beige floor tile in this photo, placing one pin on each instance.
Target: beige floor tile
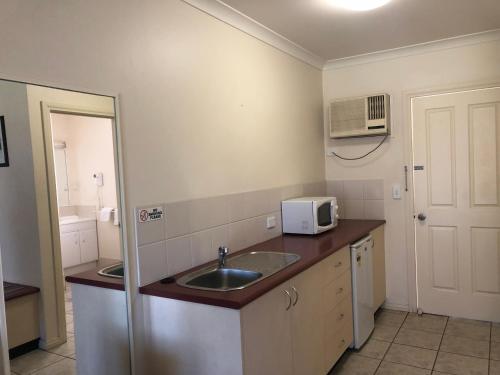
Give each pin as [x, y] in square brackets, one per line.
[67, 349]
[495, 332]
[494, 367]
[390, 318]
[426, 322]
[478, 323]
[389, 368]
[461, 365]
[421, 339]
[374, 348]
[32, 361]
[384, 333]
[64, 367]
[354, 364]
[409, 355]
[465, 346]
[470, 331]
[495, 351]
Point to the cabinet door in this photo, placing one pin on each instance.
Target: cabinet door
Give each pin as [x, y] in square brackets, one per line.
[88, 245]
[266, 336]
[378, 267]
[308, 324]
[70, 249]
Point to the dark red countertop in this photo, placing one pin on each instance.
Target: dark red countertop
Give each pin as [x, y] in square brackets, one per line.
[92, 278]
[13, 290]
[312, 249]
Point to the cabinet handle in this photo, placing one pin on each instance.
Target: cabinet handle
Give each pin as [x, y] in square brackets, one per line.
[338, 264]
[341, 316]
[342, 342]
[340, 290]
[289, 299]
[296, 296]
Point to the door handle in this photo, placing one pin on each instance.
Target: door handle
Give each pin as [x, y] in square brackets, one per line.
[296, 296]
[289, 299]
[421, 216]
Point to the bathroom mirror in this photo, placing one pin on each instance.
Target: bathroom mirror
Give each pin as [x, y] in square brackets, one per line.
[63, 184]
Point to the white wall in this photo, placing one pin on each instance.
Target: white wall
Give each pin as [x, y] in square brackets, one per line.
[445, 68]
[18, 219]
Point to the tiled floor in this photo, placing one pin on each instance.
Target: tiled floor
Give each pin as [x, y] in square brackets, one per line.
[409, 344]
[56, 361]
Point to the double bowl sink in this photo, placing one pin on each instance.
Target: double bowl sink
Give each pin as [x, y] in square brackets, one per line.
[239, 272]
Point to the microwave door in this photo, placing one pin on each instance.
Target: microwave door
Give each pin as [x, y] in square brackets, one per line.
[324, 213]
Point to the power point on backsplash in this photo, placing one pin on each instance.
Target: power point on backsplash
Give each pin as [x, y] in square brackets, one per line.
[271, 222]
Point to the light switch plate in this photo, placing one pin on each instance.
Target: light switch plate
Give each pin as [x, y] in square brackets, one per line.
[271, 222]
[396, 191]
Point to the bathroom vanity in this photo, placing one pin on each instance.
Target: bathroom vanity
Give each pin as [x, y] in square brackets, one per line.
[78, 240]
[296, 321]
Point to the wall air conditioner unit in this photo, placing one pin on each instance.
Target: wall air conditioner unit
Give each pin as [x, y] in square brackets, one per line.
[360, 117]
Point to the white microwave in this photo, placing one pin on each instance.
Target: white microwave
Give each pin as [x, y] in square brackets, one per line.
[309, 215]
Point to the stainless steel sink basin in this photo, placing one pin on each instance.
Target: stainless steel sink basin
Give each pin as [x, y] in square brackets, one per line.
[115, 270]
[239, 271]
[224, 278]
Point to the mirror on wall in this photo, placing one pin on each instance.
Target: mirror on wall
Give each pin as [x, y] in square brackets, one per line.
[61, 182]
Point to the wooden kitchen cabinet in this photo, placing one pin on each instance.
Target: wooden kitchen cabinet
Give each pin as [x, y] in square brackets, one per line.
[266, 335]
[302, 326]
[378, 267]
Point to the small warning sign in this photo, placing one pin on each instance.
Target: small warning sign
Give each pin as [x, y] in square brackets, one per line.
[150, 214]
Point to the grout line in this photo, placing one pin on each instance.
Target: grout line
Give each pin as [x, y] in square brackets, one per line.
[489, 351]
[440, 342]
[392, 341]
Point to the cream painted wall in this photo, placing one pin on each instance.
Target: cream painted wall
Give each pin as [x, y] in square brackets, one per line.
[447, 68]
[18, 219]
[89, 149]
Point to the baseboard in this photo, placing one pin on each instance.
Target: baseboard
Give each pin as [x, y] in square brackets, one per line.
[394, 306]
[23, 348]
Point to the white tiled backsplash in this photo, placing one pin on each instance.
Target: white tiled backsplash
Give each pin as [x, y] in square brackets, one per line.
[190, 232]
[358, 199]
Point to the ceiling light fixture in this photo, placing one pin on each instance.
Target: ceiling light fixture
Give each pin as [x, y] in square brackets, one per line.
[358, 5]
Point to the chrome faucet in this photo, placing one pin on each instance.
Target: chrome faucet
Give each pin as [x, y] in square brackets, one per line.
[223, 251]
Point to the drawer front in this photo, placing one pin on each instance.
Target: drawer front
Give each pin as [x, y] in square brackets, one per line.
[339, 317]
[337, 344]
[336, 264]
[75, 227]
[337, 291]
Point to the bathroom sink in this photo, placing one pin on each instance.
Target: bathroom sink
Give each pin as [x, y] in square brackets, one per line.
[239, 271]
[115, 270]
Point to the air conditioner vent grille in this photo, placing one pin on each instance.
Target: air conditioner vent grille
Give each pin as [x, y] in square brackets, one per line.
[376, 107]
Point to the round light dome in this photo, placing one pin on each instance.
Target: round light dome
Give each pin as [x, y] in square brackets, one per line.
[359, 5]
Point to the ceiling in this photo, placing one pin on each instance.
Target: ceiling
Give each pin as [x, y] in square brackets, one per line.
[333, 33]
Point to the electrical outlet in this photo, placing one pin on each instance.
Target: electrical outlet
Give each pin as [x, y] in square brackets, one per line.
[271, 222]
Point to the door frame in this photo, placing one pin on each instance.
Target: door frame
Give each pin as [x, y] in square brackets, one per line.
[54, 255]
[407, 122]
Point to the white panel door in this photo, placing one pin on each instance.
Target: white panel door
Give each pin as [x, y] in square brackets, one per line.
[70, 249]
[457, 144]
[88, 245]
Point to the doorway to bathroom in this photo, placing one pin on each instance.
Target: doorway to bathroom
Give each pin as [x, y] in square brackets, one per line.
[88, 217]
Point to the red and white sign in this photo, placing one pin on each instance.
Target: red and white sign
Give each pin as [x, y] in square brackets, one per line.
[150, 214]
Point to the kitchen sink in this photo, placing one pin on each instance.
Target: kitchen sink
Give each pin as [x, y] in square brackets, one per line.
[224, 278]
[116, 271]
[239, 271]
